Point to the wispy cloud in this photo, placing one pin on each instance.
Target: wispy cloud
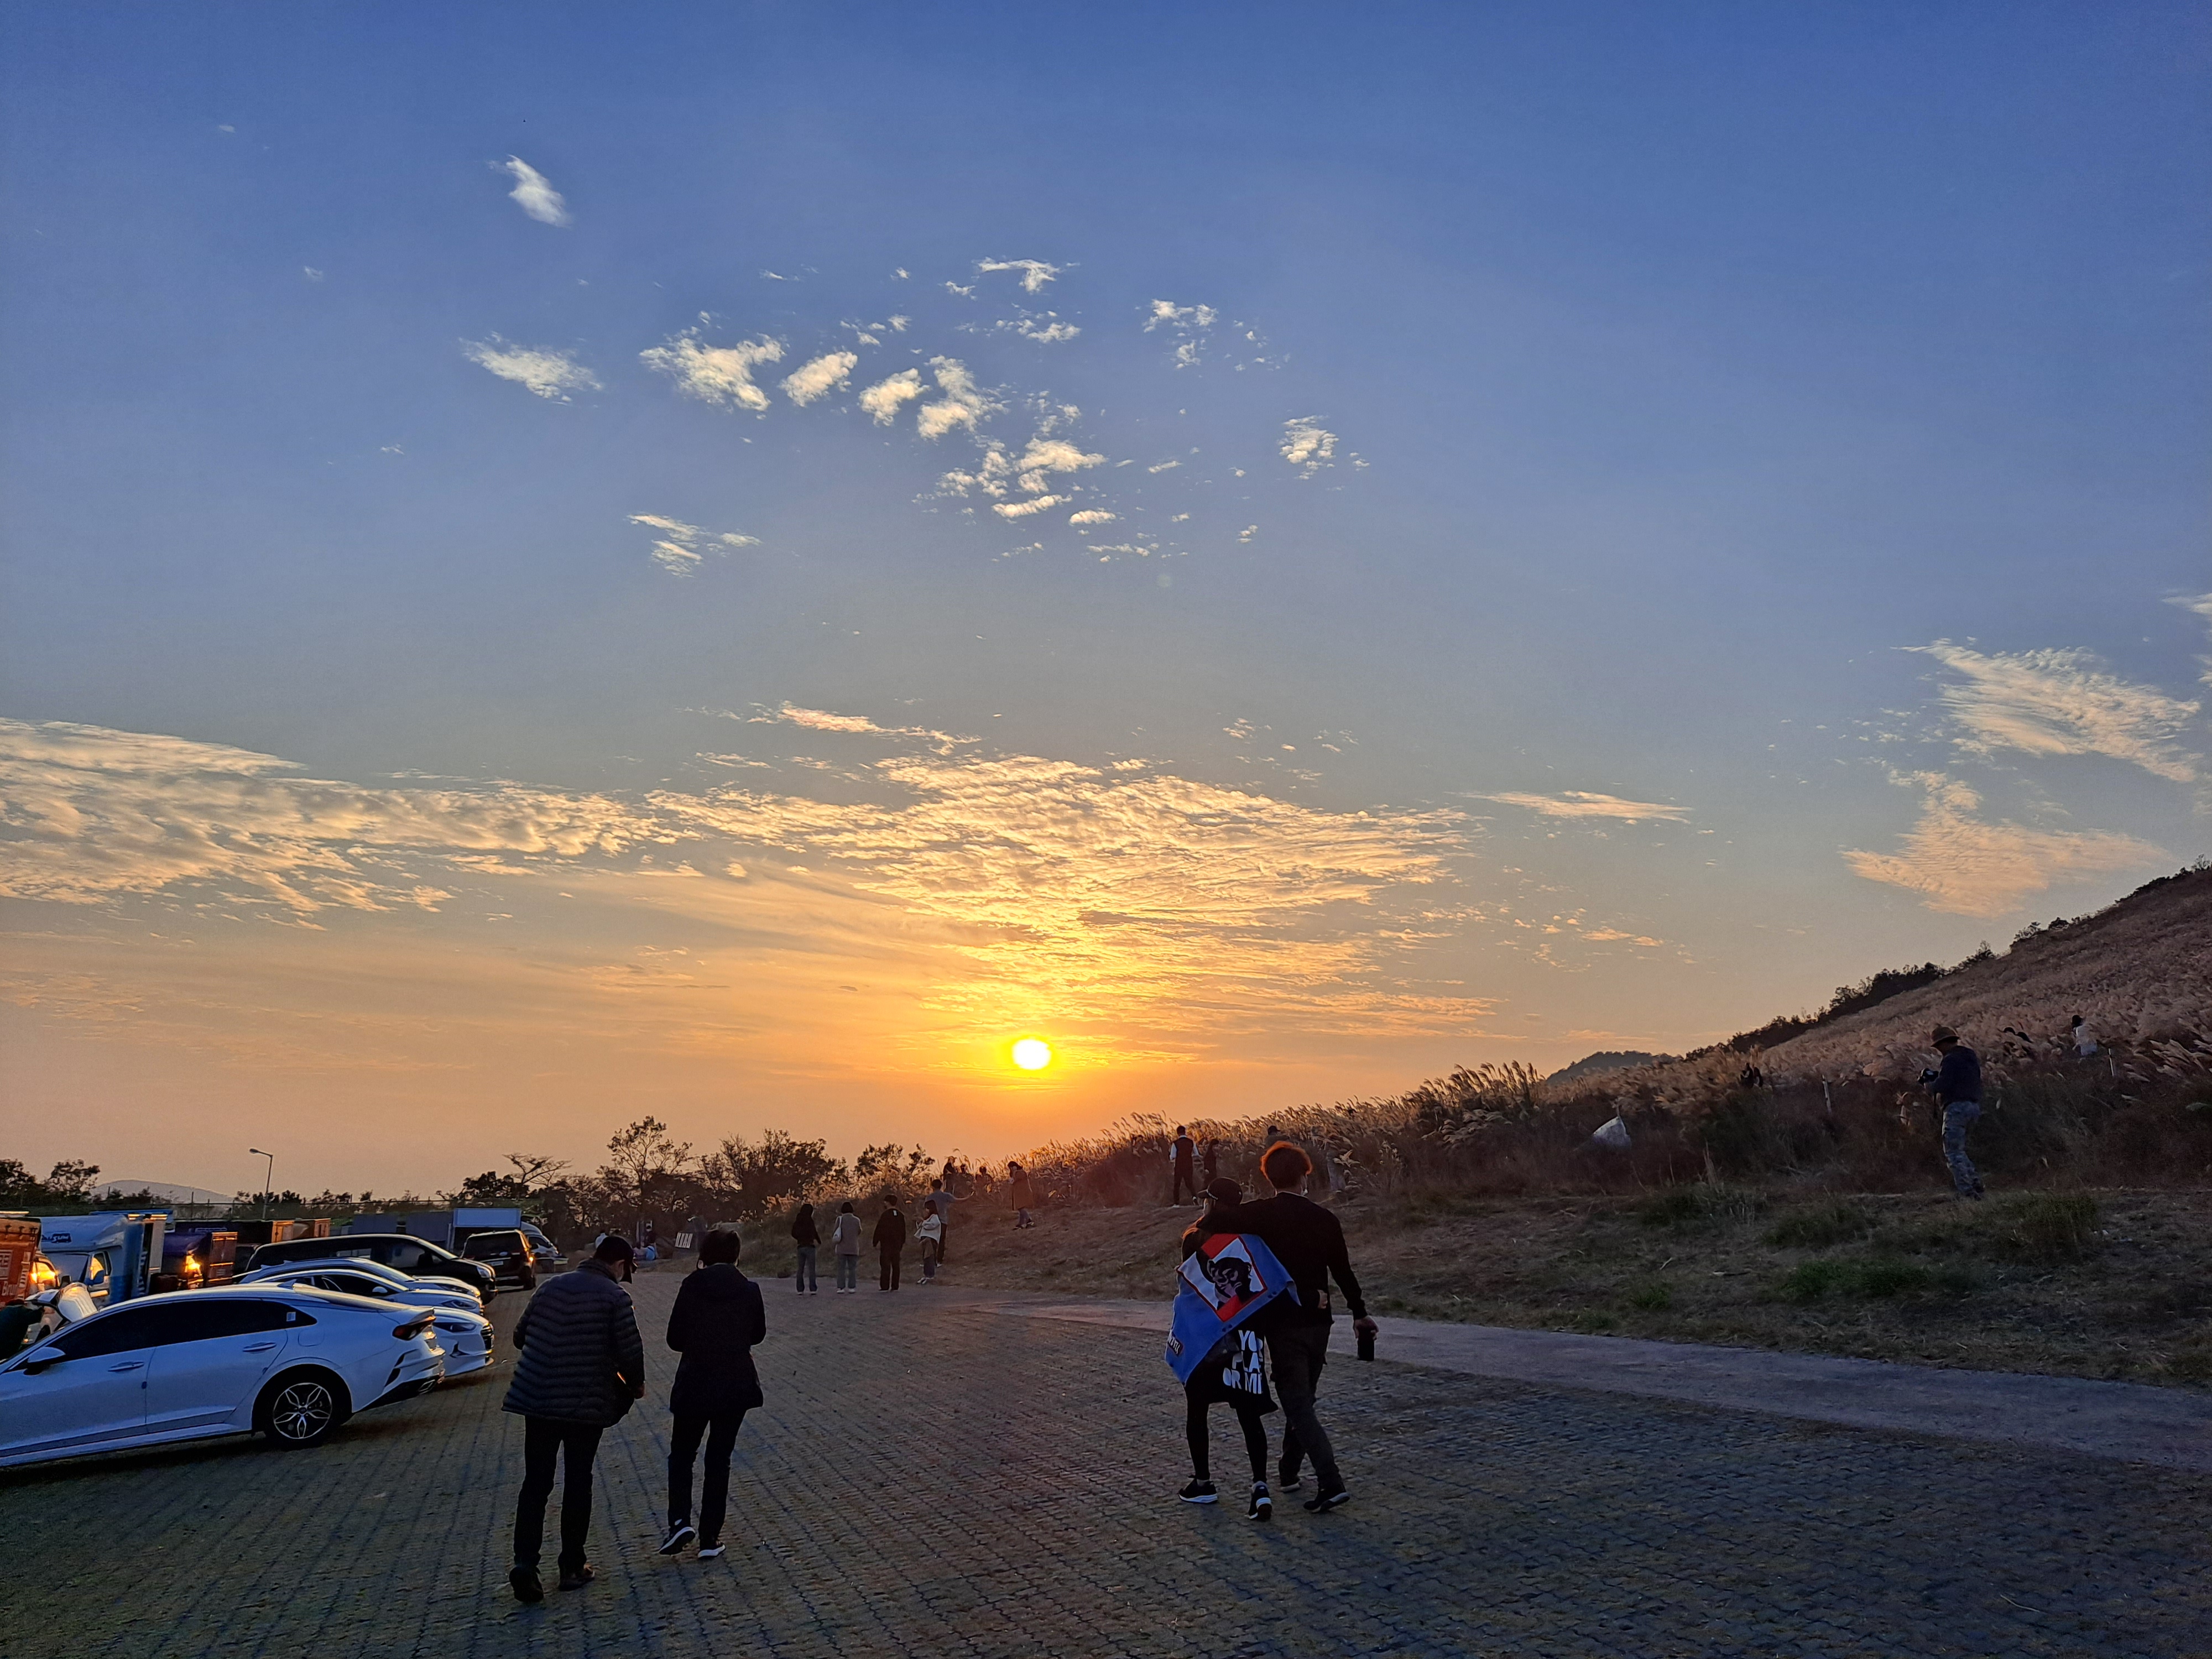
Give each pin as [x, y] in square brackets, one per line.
[1585, 804]
[2200, 603]
[2063, 703]
[682, 548]
[962, 404]
[1192, 323]
[1308, 446]
[1092, 515]
[1024, 509]
[1034, 273]
[554, 374]
[533, 192]
[715, 374]
[884, 399]
[824, 374]
[1963, 865]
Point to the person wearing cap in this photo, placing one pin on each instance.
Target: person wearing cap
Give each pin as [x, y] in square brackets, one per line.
[581, 1365]
[1955, 1080]
[1234, 1374]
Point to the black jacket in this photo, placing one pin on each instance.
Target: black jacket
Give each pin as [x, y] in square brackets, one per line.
[715, 1321]
[1309, 1240]
[803, 1228]
[890, 1231]
[1958, 1076]
[580, 1352]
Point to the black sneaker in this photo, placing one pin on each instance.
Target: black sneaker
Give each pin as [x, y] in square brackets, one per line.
[1263, 1507]
[1287, 1479]
[524, 1582]
[578, 1579]
[1199, 1491]
[711, 1550]
[679, 1535]
[1328, 1498]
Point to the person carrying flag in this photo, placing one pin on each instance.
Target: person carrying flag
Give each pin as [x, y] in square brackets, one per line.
[1309, 1242]
[1233, 1373]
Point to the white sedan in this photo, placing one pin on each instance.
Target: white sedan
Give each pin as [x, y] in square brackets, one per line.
[378, 1284]
[292, 1364]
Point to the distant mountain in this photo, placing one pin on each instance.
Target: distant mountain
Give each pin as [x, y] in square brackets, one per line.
[168, 1190]
[1606, 1059]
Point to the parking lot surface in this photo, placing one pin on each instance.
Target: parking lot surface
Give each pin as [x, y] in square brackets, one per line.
[932, 1478]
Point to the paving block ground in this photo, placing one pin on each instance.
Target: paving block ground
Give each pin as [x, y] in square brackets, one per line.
[935, 1479]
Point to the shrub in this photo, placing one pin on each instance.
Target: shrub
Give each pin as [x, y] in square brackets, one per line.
[1811, 1280]
[1817, 1228]
[2042, 1226]
[1655, 1298]
[1889, 1277]
[1706, 1206]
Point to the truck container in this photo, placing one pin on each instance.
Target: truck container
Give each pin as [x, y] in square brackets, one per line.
[19, 1249]
[451, 1228]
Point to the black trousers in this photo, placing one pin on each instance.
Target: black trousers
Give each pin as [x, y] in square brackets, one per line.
[889, 1273]
[1247, 1419]
[575, 1444]
[722, 1434]
[1297, 1353]
[1185, 1182]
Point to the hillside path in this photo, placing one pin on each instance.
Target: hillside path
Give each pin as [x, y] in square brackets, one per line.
[2130, 1422]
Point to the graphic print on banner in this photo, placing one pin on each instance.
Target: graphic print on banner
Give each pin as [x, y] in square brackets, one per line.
[1227, 1279]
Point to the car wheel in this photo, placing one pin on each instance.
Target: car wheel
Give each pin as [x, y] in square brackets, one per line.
[301, 1409]
[528, 1279]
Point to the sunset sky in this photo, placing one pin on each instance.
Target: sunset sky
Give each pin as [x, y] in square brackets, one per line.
[730, 562]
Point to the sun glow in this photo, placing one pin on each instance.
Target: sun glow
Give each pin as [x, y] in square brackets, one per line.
[1032, 1053]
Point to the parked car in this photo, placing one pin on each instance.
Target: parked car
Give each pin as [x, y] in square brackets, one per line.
[381, 1285]
[465, 1295]
[508, 1253]
[544, 1248]
[416, 1257]
[231, 1359]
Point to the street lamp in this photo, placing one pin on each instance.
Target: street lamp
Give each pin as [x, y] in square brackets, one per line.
[268, 1178]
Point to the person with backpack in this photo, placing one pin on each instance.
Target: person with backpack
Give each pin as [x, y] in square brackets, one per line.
[889, 1240]
[716, 1323]
[845, 1236]
[581, 1367]
[932, 1235]
[1234, 1373]
[808, 1239]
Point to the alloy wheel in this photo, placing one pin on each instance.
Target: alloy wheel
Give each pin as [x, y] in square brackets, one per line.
[302, 1411]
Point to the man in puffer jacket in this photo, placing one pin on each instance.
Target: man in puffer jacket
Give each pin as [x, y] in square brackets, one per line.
[582, 1363]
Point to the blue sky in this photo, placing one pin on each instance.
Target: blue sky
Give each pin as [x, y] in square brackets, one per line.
[1619, 519]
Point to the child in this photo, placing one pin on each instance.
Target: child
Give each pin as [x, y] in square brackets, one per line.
[1235, 1374]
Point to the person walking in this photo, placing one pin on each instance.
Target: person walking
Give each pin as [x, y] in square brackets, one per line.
[845, 1236]
[1234, 1374]
[1019, 1195]
[1183, 1157]
[581, 1365]
[889, 1240]
[1309, 1242]
[1209, 1163]
[1956, 1083]
[932, 1235]
[808, 1239]
[716, 1322]
[2085, 1043]
[939, 1203]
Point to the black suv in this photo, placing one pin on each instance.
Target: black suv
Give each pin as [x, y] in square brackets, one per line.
[417, 1257]
[507, 1253]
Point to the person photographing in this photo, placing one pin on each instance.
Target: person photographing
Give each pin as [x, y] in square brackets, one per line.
[1309, 1242]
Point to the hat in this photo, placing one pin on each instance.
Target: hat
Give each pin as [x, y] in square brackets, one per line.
[1224, 1191]
[1942, 1034]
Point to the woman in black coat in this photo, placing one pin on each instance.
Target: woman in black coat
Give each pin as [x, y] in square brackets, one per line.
[717, 1319]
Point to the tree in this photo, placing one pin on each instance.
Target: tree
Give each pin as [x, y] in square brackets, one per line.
[750, 1178]
[642, 1158]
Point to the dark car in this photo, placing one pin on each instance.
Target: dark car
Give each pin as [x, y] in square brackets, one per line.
[416, 1257]
[507, 1253]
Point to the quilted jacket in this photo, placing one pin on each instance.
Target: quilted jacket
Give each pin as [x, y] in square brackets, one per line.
[582, 1356]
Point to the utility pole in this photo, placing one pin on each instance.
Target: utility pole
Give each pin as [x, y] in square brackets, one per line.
[268, 1178]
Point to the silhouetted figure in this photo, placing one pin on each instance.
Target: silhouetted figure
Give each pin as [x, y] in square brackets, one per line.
[717, 1320]
[1183, 1157]
[1956, 1083]
[845, 1239]
[1020, 1195]
[581, 1365]
[889, 1240]
[808, 1239]
[1234, 1374]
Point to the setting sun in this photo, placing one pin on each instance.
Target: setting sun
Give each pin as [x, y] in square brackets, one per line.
[1032, 1053]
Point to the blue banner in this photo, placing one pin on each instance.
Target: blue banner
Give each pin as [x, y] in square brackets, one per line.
[1227, 1279]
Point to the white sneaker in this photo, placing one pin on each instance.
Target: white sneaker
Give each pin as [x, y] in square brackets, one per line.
[710, 1551]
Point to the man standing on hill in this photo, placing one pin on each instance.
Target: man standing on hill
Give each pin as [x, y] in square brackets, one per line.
[1183, 1155]
[890, 1239]
[1956, 1083]
[1309, 1242]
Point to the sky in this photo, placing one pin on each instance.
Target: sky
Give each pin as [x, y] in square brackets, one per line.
[730, 562]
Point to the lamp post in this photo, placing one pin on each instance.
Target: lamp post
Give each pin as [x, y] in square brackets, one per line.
[268, 1178]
